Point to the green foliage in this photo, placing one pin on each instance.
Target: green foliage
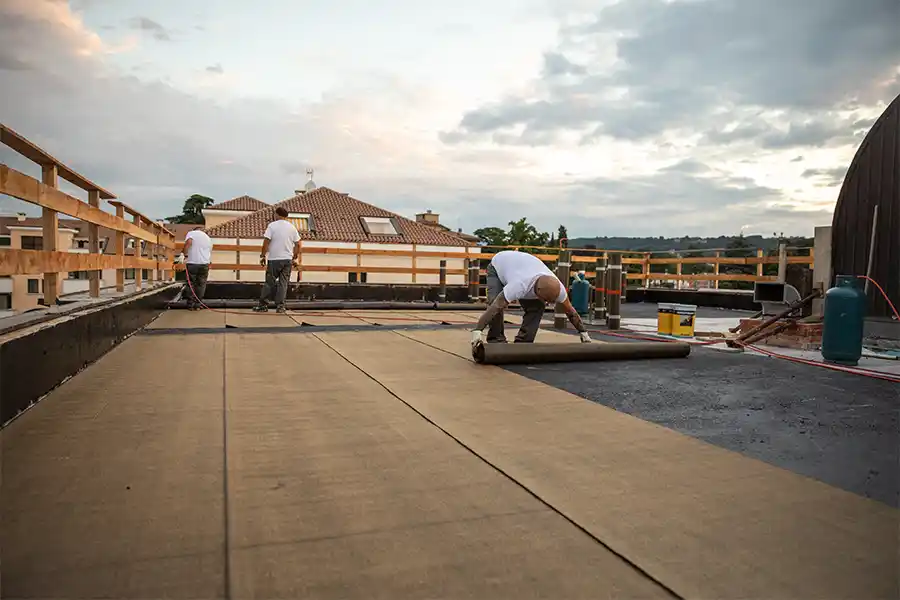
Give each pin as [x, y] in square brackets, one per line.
[492, 236]
[192, 210]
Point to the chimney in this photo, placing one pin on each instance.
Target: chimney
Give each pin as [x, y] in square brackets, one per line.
[428, 218]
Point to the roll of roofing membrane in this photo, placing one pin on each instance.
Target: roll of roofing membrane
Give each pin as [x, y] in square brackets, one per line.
[517, 354]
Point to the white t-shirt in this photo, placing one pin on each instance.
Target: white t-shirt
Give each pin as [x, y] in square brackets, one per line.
[518, 272]
[201, 248]
[282, 236]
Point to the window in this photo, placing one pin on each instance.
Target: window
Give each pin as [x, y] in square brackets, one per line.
[301, 221]
[145, 274]
[5, 241]
[356, 277]
[129, 273]
[379, 225]
[129, 243]
[82, 243]
[34, 286]
[32, 242]
[79, 275]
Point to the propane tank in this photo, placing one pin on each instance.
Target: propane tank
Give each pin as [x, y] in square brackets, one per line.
[845, 314]
[581, 291]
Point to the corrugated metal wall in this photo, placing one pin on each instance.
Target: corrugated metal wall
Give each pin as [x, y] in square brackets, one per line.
[873, 178]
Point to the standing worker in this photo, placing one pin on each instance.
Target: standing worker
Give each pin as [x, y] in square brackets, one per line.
[520, 276]
[197, 252]
[282, 242]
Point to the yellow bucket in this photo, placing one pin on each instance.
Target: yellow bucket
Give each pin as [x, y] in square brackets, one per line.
[683, 320]
[665, 314]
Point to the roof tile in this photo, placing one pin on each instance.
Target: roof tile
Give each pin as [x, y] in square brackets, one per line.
[240, 203]
[336, 218]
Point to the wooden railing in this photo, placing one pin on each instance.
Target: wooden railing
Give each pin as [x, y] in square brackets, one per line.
[253, 249]
[52, 260]
[582, 259]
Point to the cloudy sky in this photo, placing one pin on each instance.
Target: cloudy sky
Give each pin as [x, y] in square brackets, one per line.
[630, 117]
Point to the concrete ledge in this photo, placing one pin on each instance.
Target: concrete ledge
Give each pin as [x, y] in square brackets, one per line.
[35, 360]
[735, 300]
[238, 290]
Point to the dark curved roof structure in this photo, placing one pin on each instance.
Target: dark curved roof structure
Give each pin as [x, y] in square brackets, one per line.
[872, 179]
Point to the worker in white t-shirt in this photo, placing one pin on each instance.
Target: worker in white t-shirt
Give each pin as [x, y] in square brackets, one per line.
[282, 243]
[513, 276]
[197, 252]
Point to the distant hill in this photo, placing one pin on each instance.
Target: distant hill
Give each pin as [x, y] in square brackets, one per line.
[663, 244]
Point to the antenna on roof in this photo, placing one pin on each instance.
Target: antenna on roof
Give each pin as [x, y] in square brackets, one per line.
[310, 184]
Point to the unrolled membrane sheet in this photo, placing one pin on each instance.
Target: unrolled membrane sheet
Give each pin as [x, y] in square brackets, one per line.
[510, 354]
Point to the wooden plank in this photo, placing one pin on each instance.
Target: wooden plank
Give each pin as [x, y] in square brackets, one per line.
[120, 252]
[94, 245]
[32, 262]
[32, 152]
[330, 269]
[341, 251]
[50, 234]
[21, 186]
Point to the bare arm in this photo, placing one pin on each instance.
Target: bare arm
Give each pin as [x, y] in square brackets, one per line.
[492, 311]
[296, 251]
[573, 316]
[187, 246]
[265, 249]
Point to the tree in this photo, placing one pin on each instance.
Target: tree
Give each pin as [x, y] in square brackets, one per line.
[563, 236]
[192, 212]
[492, 236]
[523, 233]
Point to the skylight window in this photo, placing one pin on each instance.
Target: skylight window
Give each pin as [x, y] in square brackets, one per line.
[300, 220]
[380, 225]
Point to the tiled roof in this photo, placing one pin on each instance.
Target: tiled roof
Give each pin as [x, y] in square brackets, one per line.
[336, 218]
[240, 203]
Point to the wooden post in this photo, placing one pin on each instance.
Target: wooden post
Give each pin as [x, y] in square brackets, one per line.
[782, 261]
[120, 251]
[50, 234]
[473, 268]
[678, 272]
[94, 245]
[138, 252]
[614, 290]
[237, 258]
[600, 288]
[562, 272]
[646, 270]
[759, 265]
[442, 291]
[716, 269]
[624, 288]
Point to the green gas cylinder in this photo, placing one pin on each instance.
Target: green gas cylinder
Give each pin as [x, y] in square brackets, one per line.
[580, 295]
[845, 315]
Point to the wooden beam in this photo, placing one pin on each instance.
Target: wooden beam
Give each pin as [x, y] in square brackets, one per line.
[329, 269]
[50, 223]
[179, 246]
[139, 252]
[30, 151]
[33, 262]
[120, 252]
[94, 245]
[21, 186]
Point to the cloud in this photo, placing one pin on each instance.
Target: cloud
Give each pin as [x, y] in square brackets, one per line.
[690, 64]
[150, 26]
[216, 69]
[826, 177]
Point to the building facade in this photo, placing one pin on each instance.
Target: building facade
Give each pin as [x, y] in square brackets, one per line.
[343, 240]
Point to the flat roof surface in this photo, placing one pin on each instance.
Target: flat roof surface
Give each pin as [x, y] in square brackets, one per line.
[343, 459]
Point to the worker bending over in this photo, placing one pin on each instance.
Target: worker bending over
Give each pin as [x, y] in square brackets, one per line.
[520, 276]
[282, 243]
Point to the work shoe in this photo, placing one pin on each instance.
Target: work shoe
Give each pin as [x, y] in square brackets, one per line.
[260, 308]
[281, 309]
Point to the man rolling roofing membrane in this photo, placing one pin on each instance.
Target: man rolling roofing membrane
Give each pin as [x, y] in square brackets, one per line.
[520, 276]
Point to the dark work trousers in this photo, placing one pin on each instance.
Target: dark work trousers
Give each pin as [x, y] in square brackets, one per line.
[531, 321]
[198, 275]
[278, 276]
